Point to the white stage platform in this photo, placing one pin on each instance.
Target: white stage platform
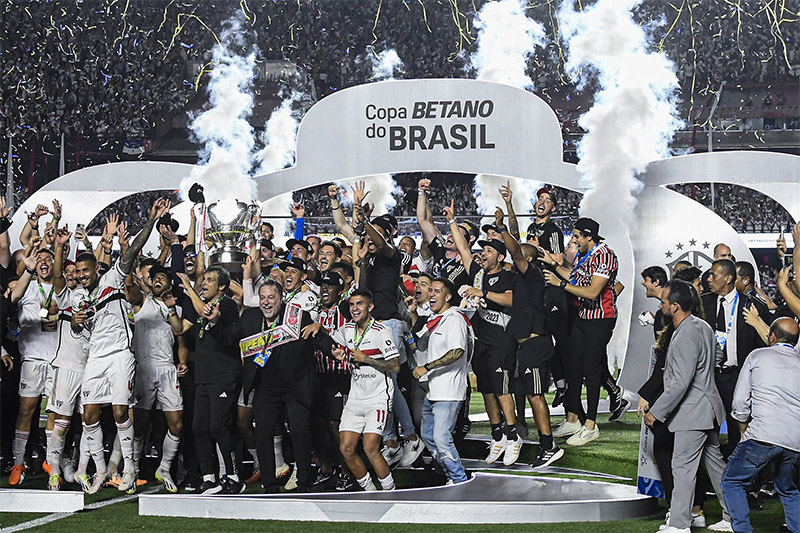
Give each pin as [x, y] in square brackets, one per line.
[40, 501]
[486, 498]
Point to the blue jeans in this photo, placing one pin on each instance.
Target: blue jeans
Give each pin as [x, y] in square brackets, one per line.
[746, 461]
[438, 424]
[399, 405]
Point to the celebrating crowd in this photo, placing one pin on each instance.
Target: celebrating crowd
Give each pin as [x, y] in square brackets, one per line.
[351, 356]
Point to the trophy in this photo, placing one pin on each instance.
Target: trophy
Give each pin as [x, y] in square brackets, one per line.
[229, 225]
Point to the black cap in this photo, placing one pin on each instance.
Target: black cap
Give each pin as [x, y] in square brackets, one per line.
[294, 262]
[266, 243]
[550, 192]
[471, 227]
[392, 219]
[589, 227]
[158, 268]
[189, 249]
[332, 278]
[305, 244]
[486, 227]
[383, 223]
[416, 274]
[494, 243]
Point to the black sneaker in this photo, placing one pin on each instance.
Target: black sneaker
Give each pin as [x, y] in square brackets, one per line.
[324, 477]
[558, 399]
[614, 400]
[345, 483]
[209, 487]
[191, 485]
[621, 409]
[232, 486]
[547, 457]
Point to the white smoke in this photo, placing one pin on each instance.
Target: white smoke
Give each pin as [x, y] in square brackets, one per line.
[487, 193]
[634, 113]
[223, 129]
[507, 39]
[383, 192]
[384, 64]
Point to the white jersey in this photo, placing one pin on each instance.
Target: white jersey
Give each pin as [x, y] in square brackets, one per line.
[73, 348]
[35, 344]
[447, 332]
[307, 300]
[367, 383]
[153, 338]
[108, 324]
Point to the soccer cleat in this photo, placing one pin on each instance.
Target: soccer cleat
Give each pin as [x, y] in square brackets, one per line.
[281, 471]
[722, 525]
[292, 483]
[255, 478]
[496, 449]
[566, 429]
[209, 487]
[68, 469]
[345, 483]
[512, 451]
[113, 481]
[84, 481]
[698, 519]
[622, 408]
[232, 486]
[46, 467]
[54, 482]
[547, 457]
[392, 455]
[17, 474]
[412, 449]
[163, 476]
[97, 483]
[584, 436]
[127, 483]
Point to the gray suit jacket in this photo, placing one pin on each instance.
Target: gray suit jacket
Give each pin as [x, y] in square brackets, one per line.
[690, 399]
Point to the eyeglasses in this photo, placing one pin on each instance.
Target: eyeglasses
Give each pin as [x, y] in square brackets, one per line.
[190, 255]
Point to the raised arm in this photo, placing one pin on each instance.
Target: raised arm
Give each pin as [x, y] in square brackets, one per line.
[29, 264]
[505, 192]
[458, 239]
[31, 228]
[786, 291]
[338, 216]
[159, 209]
[424, 217]
[5, 240]
[197, 302]
[62, 238]
[512, 245]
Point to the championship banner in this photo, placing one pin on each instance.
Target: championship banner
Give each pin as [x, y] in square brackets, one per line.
[648, 476]
[265, 341]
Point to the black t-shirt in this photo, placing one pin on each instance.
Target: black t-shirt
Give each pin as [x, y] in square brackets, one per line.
[528, 313]
[451, 269]
[217, 358]
[660, 321]
[383, 277]
[549, 235]
[490, 323]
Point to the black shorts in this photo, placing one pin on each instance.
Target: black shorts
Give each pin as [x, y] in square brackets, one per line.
[331, 395]
[494, 367]
[534, 364]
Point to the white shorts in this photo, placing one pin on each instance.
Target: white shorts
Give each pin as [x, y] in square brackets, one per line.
[66, 391]
[249, 402]
[158, 384]
[35, 379]
[360, 417]
[109, 380]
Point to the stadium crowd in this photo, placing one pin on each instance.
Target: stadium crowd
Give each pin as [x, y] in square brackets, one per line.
[332, 360]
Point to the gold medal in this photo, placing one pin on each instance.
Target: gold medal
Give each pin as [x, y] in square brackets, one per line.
[43, 313]
[200, 333]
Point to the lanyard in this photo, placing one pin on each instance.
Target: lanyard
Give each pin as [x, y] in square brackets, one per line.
[724, 341]
[444, 266]
[264, 329]
[158, 308]
[46, 302]
[92, 298]
[356, 341]
[289, 297]
[203, 320]
[572, 277]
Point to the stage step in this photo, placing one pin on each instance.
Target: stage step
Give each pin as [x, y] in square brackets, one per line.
[40, 501]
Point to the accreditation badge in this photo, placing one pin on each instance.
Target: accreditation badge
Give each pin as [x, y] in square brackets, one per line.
[261, 358]
[722, 338]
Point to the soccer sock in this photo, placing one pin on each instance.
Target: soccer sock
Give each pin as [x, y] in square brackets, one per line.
[94, 444]
[83, 455]
[497, 432]
[278, 445]
[545, 441]
[55, 445]
[511, 431]
[234, 477]
[169, 450]
[138, 444]
[20, 443]
[116, 456]
[125, 432]
[367, 484]
[387, 483]
[47, 434]
[254, 454]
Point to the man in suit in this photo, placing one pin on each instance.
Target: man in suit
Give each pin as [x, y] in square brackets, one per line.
[691, 407]
[724, 310]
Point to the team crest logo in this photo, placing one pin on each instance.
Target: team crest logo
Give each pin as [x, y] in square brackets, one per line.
[293, 315]
[493, 281]
[694, 253]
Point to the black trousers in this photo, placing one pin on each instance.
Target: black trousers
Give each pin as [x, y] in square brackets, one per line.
[269, 405]
[726, 383]
[213, 422]
[587, 362]
[190, 461]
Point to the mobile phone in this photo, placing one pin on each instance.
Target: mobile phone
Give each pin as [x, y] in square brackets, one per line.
[788, 260]
[81, 227]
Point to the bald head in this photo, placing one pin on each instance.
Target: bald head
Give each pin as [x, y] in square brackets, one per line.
[529, 251]
[783, 330]
[722, 251]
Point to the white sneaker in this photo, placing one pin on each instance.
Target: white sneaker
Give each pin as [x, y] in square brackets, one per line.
[292, 483]
[698, 519]
[392, 455]
[512, 451]
[163, 476]
[722, 525]
[566, 429]
[281, 470]
[496, 449]
[68, 469]
[584, 436]
[412, 449]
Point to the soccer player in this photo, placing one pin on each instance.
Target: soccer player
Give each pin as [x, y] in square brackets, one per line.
[370, 348]
[109, 373]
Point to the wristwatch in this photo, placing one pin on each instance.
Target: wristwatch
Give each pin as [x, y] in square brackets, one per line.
[563, 284]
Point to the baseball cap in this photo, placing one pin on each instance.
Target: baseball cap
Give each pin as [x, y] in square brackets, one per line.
[294, 262]
[267, 243]
[332, 278]
[304, 243]
[490, 227]
[384, 224]
[589, 226]
[494, 243]
[550, 192]
[158, 268]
